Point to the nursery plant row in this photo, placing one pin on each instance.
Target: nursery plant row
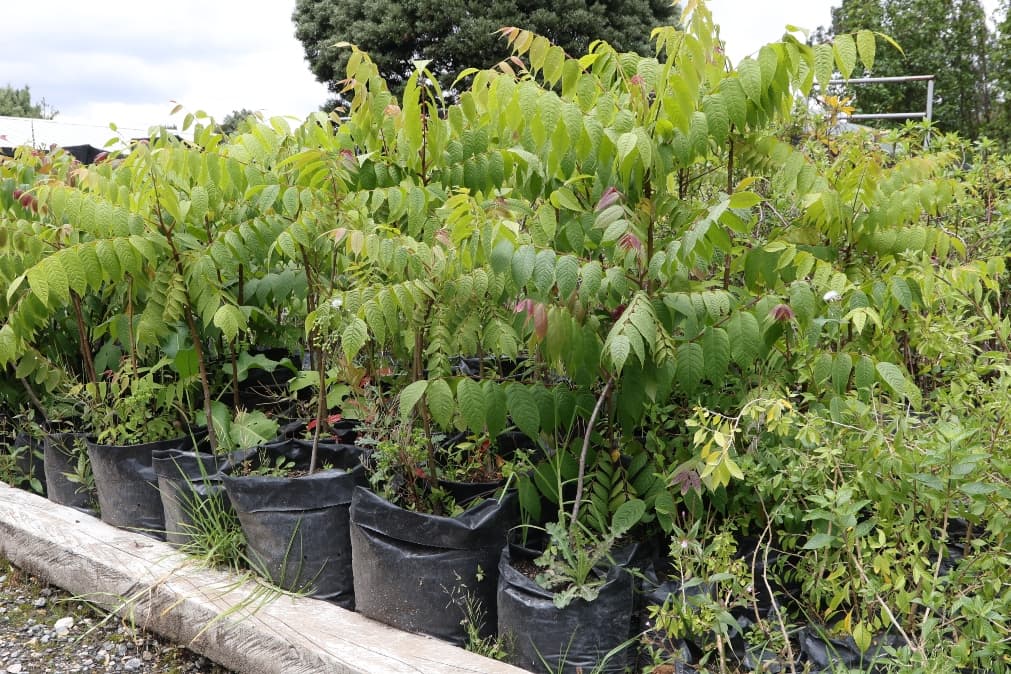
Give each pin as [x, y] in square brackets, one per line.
[609, 362]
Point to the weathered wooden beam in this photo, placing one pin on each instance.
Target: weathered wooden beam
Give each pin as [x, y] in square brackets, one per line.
[231, 620]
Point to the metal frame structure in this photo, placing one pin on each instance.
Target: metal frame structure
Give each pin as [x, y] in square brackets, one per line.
[927, 114]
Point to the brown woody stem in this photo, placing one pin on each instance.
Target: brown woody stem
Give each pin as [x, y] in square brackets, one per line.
[83, 340]
[586, 448]
[205, 382]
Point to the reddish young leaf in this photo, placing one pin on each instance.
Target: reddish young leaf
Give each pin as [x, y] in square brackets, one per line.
[540, 320]
[611, 195]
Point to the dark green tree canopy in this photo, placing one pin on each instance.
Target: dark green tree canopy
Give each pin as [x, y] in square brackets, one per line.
[18, 103]
[945, 38]
[1000, 75]
[455, 34]
[230, 124]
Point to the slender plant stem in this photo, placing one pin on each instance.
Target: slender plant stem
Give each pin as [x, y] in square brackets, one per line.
[768, 587]
[83, 340]
[232, 348]
[650, 235]
[426, 420]
[205, 382]
[235, 374]
[34, 399]
[884, 607]
[320, 409]
[730, 190]
[133, 335]
[316, 351]
[586, 448]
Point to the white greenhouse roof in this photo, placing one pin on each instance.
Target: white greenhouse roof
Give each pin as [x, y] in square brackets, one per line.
[44, 133]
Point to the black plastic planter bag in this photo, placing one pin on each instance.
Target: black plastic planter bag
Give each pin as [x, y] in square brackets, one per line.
[829, 654]
[60, 458]
[545, 638]
[264, 389]
[739, 652]
[127, 485]
[296, 528]
[654, 592]
[29, 461]
[416, 571]
[189, 481]
[343, 432]
[465, 492]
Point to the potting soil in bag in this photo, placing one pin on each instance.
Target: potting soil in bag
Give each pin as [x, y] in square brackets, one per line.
[417, 571]
[544, 638]
[296, 528]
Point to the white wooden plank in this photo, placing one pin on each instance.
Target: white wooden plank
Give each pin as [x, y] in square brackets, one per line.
[213, 613]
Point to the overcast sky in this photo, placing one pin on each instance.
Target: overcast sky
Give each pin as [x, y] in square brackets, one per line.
[123, 61]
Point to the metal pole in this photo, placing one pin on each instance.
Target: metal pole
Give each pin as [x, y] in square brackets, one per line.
[887, 115]
[930, 100]
[882, 80]
[927, 114]
[930, 111]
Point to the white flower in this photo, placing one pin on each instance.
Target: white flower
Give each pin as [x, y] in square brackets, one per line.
[336, 303]
[831, 296]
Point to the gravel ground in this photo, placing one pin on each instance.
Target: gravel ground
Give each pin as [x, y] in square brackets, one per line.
[44, 630]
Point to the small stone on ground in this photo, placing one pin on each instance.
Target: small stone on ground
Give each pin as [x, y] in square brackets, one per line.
[45, 631]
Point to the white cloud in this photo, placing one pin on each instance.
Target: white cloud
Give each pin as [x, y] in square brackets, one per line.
[124, 60]
[745, 26]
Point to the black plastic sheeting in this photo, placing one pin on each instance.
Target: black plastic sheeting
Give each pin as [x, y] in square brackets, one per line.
[741, 654]
[654, 593]
[297, 528]
[417, 571]
[831, 653]
[60, 458]
[545, 638]
[128, 486]
[814, 649]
